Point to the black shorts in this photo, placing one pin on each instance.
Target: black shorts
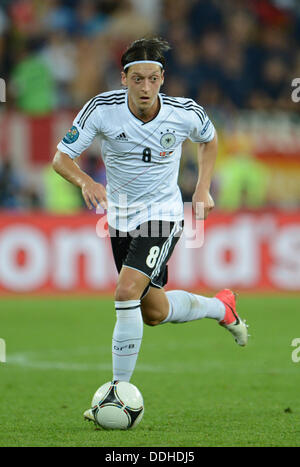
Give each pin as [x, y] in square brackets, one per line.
[147, 249]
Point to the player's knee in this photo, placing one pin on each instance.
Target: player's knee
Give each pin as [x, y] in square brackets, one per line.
[128, 291]
[150, 321]
[151, 317]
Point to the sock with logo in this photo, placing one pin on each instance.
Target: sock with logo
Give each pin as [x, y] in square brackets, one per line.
[127, 338]
[186, 306]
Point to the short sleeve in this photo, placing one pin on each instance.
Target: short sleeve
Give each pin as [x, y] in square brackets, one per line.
[84, 129]
[202, 129]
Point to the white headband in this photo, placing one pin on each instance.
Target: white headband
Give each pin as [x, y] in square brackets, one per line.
[142, 61]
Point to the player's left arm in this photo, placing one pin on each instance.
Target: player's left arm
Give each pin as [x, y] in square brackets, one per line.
[207, 154]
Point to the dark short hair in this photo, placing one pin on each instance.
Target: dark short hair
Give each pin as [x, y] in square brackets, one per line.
[146, 49]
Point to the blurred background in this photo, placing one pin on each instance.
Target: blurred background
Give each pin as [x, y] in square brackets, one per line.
[236, 58]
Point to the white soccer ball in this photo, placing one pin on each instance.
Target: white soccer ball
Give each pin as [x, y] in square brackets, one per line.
[117, 405]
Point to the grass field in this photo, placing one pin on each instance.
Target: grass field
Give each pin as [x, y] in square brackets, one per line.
[199, 387]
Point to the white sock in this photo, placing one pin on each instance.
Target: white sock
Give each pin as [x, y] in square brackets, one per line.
[186, 306]
[127, 338]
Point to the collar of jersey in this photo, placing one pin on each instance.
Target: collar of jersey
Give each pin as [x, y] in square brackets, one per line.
[141, 121]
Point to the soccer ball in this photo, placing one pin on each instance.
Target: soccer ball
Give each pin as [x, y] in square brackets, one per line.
[117, 405]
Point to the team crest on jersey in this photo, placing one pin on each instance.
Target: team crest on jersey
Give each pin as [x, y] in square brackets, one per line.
[168, 139]
[71, 136]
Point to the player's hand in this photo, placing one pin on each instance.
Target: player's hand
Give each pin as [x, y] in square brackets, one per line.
[202, 204]
[94, 194]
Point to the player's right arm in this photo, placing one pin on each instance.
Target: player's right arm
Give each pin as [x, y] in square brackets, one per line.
[86, 127]
[93, 193]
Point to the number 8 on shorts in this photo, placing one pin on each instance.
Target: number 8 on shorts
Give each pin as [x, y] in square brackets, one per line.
[152, 257]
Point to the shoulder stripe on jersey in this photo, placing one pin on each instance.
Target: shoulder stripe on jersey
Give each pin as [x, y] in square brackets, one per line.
[193, 110]
[177, 99]
[187, 103]
[98, 102]
[104, 98]
[200, 114]
[101, 98]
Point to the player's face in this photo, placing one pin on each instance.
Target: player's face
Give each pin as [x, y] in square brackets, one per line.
[143, 81]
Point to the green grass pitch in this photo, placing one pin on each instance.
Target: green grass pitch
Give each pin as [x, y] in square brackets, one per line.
[199, 387]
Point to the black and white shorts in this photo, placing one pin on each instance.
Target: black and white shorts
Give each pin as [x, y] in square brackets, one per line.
[147, 249]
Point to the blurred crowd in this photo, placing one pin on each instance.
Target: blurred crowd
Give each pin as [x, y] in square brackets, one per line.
[229, 56]
[233, 54]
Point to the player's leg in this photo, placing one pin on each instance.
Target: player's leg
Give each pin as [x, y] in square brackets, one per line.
[179, 306]
[155, 306]
[141, 257]
[131, 284]
[128, 330]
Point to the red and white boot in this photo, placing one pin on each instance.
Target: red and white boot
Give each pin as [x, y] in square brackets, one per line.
[231, 320]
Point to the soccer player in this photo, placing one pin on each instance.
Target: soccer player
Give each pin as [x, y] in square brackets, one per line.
[141, 132]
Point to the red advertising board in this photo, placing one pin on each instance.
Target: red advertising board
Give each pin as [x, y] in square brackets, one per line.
[71, 254]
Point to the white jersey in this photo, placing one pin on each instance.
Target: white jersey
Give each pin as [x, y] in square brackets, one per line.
[141, 159]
